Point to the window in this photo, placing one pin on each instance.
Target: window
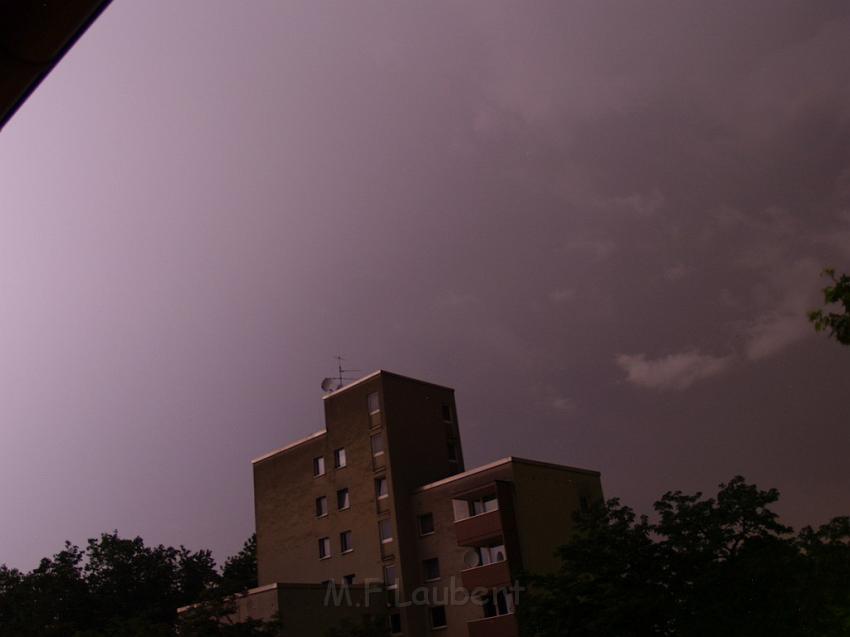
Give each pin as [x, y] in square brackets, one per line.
[485, 505]
[452, 452]
[319, 466]
[321, 507]
[374, 402]
[583, 504]
[385, 530]
[345, 544]
[468, 508]
[490, 554]
[390, 576]
[381, 489]
[342, 499]
[426, 524]
[377, 444]
[348, 580]
[431, 569]
[395, 624]
[339, 458]
[447, 412]
[500, 603]
[324, 548]
[438, 617]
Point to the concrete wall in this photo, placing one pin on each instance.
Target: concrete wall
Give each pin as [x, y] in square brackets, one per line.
[309, 610]
[546, 499]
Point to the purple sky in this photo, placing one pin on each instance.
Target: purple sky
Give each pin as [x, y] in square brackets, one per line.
[601, 222]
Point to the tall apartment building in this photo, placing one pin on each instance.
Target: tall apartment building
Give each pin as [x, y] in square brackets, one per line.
[382, 494]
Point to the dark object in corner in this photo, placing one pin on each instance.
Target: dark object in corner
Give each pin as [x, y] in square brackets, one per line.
[34, 35]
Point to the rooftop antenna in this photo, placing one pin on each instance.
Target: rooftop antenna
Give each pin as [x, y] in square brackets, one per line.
[332, 383]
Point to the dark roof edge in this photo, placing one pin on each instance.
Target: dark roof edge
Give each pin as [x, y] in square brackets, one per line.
[290, 446]
[384, 372]
[501, 462]
[45, 70]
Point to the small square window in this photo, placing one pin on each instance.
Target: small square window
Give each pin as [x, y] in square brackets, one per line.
[490, 554]
[321, 507]
[339, 458]
[345, 544]
[438, 617]
[390, 576]
[348, 580]
[342, 499]
[324, 548]
[498, 603]
[426, 524]
[377, 444]
[319, 466]
[381, 488]
[385, 530]
[447, 412]
[431, 569]
[374, 403]
[452, 452]
[395, 624]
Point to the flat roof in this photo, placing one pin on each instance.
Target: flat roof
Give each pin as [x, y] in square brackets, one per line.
[291, 445]
[379, 372]
[34, 38]
[499, 463]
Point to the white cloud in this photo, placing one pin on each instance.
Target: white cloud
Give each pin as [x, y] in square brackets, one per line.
[676, 371]
[676, 272]
[597, 250]
[785, 323]
[773, 333]
[562, 403]
[562, 295]
[642, 204]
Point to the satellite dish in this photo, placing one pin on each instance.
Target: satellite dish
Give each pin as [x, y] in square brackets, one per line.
[331, 384]
[471, 559]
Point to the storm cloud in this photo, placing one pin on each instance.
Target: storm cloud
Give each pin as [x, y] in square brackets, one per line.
[601, 222]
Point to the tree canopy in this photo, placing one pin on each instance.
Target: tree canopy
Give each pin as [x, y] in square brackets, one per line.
[120, 587]
[837, 324]
[705, 566]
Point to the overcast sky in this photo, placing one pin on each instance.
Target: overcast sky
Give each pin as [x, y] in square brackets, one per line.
[601, 222]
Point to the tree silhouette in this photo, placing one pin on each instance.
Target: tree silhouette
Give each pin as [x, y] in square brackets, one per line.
[704, 567]
[837, 323]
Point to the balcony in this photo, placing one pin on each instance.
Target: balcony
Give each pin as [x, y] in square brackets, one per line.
[478, 528]
[488, 576]
[500, 626]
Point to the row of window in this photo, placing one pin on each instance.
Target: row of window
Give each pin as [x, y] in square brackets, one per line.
[499, 603]
[346, 544]
[341, 459]
[343, 497]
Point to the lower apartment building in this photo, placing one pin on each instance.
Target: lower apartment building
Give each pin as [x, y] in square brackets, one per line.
[378, 514]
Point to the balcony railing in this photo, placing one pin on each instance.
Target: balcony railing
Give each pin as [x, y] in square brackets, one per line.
[499, 626]
[478, 528]
[487, 576]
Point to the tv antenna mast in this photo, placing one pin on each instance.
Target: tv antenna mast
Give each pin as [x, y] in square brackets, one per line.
[332, 383]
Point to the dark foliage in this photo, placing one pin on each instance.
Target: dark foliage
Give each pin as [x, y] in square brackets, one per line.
[836, 323]
[705, 567]
[240, 570]
[119, 587]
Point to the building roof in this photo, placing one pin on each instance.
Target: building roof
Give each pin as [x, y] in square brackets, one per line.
[498, 463]
[290, 446]
[34, 36]
[383, 372]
